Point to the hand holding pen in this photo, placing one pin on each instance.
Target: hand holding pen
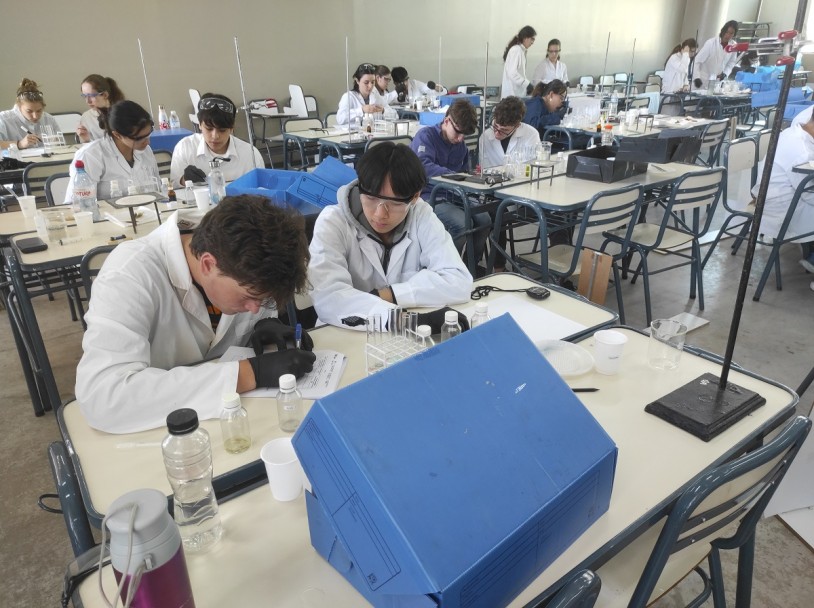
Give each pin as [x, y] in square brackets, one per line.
[29, 141]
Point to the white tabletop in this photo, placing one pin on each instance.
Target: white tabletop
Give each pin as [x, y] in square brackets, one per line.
[265, 557]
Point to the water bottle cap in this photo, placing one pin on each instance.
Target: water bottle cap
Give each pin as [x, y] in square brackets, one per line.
[288, 382]
[423, 331]
[183, 421]
[482, 308]
[214, 164]
[231, 401]
[450, 316]
[78, 164]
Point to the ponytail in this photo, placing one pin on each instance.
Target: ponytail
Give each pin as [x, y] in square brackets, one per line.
[525, 32]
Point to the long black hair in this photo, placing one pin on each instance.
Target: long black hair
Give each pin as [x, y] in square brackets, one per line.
[526, 32]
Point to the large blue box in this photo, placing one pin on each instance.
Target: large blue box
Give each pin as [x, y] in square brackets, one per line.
[430, 119]
[448, 100]
[454, 477]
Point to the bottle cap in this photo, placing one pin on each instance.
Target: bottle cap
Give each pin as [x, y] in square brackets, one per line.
[288, 382]
[214, 164]
[78, 164]
[183, 421]
[608, 127]
[482, 308]
[423, 331]
[450, 316]
[230, 401]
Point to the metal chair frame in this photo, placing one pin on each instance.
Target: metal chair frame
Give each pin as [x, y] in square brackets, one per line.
[50, 187]
[36, 174]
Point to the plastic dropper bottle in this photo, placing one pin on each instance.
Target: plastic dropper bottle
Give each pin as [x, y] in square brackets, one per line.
[451, 327]
[424, 337]
[234, 424]
[289, 404]
[481, 315]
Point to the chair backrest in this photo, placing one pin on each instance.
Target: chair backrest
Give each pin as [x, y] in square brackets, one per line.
[163, 159]
[580, 592]
[298, 100]
[620, 77]
[736, 491]
[91, 264]
[399, 139]
[712, 138]
[639, 102]
[301, 124]
[586, 80]
[739, 159]
[692, 192]
[659, 73]
[607, 80]
[330, 120]
[312, 106]
[654, 79]
[36, 174]
[463, 88]
[763, 143]
[56, 187]
[653, 87]
[194, 97]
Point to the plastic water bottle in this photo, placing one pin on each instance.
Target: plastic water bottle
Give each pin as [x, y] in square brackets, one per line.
[14, 152]
[607, 135]
[175, 122]
[614, 102]
[289, 404]
[424, 337]
[234, 424]
[163, 121]
[451, 327]
[481, 315]
[217, 185]
[84, 192]
[188, 460]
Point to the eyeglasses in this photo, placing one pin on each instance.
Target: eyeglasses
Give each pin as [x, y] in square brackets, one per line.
[366, 68]
[141, 137]
[374, 201]
[210, 103]
[455, 127]
[553, 50]
[504, 131]
[386, 78]
[90, 95]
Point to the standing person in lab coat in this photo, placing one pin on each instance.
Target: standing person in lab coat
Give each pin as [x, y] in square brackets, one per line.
[181, 295]
[713, 62]
[514, 64]
[677, 67]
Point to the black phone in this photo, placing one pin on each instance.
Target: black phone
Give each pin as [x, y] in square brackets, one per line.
[538, 293]
[31, 245]
[458, 177]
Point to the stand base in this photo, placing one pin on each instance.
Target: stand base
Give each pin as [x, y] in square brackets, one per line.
[701, 407]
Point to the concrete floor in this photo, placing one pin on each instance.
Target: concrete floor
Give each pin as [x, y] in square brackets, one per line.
[775, 340]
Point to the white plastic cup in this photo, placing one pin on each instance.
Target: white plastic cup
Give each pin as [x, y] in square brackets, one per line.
[608, 347]
[28, 205]
[84, 223]
[283, 469]
[202, 198]
[666, 344]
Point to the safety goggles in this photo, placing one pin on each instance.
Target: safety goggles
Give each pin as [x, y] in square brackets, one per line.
[210, 103]
[504, 131]
[142, 137]
[398, 204]
[90, 95]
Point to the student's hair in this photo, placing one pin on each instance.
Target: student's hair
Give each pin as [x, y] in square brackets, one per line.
[464, 115]
[509, 111]
[538, 90]
[690, 42]
[105, 84]
[399, 74]
[128, 118]
[555, 86]
[258, 244]
[399, 162]
[29, 91]
[732, 23]
[364, 68]
[215, 117]
[526, 32]
[382, 70]
[554, 41]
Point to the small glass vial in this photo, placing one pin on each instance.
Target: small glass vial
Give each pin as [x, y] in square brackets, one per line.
[481, 315]
[424, 337]
[289, 404]
[607, 135]
[451, 327]
[234, 424]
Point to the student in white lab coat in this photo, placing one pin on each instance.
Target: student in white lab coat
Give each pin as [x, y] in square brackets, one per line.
[713, 62]
[181, 295]
[514, 64]
[358, 101]
[409, 88]
[677, 67]
[551, 68]
[21, 124]
[99, 92]
[381, 95]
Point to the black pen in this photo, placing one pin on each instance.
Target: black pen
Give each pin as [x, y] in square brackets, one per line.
[27, 132]
[584, 390]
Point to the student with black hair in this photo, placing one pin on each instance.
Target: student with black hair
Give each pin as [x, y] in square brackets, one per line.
[409, 88]
[514, 81]
[191, 157]
[381, 95]
[359, 100]
[713, 62]
[543, 107]
[123, 154]
[677, 67]
[382, 246]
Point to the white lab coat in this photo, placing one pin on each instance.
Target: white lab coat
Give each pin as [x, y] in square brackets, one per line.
[676, 72]
[382, 99]
[13, 125]
[514, 73]
[425, 269]
[90, 120]
[803, 116]
[794, 147]
[104, 163]
[192, 150]
[492, 149]
[146, 323]
[351, 107]
[712, 60]
[546, 71]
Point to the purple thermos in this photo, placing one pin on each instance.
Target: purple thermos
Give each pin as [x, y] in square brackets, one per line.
[156, 550]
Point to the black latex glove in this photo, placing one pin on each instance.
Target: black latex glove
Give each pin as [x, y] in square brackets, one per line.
[269, 367]
[194, 174]
[273, 331]
[529, 89]
[435, 319]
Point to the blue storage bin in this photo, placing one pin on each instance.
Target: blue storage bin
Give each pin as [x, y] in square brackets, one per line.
[430, 119]
[447, 100]
[260, 181]
[319, 187]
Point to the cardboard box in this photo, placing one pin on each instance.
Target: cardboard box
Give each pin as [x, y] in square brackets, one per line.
[600, 164]
[669, 146]
[454, 477]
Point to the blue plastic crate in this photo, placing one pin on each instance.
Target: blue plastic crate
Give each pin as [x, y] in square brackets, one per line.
[260, 181]
[430, 119]
[447, 100]
[319, 187]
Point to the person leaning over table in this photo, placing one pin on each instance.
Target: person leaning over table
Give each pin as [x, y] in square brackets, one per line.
[184, 294]
[380, 95]
[191, 156]
[543, 107]
[713, 62]
[441, 149]
[359, 101]
[551, 68]
[409, 88]
[21, 124]
[382, 246]
[123, 154]
[99, 92]
[514, 81]
[677, 66]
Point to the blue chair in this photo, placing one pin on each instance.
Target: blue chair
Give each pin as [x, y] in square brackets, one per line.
[580, 592]
[717, 511]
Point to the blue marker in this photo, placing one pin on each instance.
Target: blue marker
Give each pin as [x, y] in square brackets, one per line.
[298, 336]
